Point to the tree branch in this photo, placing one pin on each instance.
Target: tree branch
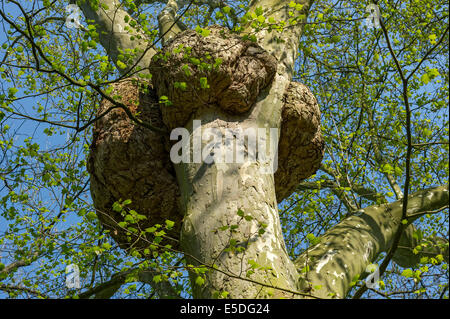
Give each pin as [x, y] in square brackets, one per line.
[169, 26]
[107, 289]
[406, 256]
[118, 36]
[283, 43]
[346, 249]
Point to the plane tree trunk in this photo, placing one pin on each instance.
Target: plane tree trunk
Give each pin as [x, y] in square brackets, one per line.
[227, 211]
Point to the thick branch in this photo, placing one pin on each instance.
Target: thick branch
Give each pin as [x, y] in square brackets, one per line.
[118, 36]
[346, 249]
[107, 289]
[282, 44]
[169, 26]
[362, 191]
[406, 256]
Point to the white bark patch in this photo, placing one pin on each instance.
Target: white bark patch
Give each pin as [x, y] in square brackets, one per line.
[243, 172]
[325, 259]
[369, 247]
[430, 196]
[268, 240]
[341, 275]
[271, 256]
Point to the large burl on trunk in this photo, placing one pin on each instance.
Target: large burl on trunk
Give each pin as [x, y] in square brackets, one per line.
[227, 84]
[128, 161]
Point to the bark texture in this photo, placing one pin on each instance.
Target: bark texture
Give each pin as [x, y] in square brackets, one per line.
[301, 145]
[128, 161]
[234, 72]
[345, 250]
[131, 162]
[117, 36]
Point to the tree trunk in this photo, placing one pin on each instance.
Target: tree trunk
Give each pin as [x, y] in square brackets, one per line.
[231, 219]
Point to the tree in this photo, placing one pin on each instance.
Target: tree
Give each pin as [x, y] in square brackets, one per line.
[117, 82]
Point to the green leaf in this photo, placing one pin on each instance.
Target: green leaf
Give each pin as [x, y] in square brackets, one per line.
[157, 278]
[91, 216]
[432, 38]
[335, 39]
[387, 168]
[121, 65]
[199, 280]
[169, 224]
[204, 83]
[425, 78]
[317, 287]
[123, 224]
[408, 273]
[150, 230]
[117, 207]
[12, 91]
[165, 100]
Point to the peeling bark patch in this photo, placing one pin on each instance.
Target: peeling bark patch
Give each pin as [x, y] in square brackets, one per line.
[341, 275]
[369, 247]
[265, 242]
[325, 259]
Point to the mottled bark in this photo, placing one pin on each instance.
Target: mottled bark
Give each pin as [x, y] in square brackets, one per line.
[128, 161]
[169, 26]
[240, 95]
[213, 194]
[345, 250]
